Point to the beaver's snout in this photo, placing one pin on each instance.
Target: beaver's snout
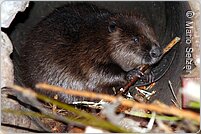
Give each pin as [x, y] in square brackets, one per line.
[156, 52]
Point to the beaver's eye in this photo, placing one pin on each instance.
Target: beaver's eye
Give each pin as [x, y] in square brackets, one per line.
[135, 39]
[112, 26]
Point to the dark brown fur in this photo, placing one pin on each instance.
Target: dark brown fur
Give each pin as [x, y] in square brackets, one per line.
[73, 48]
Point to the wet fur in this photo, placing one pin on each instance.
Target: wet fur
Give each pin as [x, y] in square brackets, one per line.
[73, 48]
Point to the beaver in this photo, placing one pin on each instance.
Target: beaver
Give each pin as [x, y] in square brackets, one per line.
[84, 47]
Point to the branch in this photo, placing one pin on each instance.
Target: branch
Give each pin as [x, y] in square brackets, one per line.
[85, 118]
[160, 108]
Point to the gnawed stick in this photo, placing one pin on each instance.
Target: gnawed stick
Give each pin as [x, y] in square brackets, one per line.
[160, 108]
[143, 68]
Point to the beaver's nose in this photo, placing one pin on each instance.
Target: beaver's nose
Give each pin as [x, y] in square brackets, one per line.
[156, 52]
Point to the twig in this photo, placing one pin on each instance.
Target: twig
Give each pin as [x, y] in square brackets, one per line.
[151, 121]
[177, 105]
[172, 90]
[158, 117]
[87, 119]
[163, 126]
[146, 129]
[160, 108]
[30, 130]
[143, 68]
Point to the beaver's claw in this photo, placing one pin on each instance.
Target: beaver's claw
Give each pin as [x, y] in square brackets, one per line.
[136, 72]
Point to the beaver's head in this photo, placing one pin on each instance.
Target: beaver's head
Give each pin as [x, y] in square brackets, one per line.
[132, 42]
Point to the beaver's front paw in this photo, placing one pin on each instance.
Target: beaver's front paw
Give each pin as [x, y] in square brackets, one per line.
[136, 72]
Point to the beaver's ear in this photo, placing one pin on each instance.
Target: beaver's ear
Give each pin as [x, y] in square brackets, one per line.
[112, 26]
